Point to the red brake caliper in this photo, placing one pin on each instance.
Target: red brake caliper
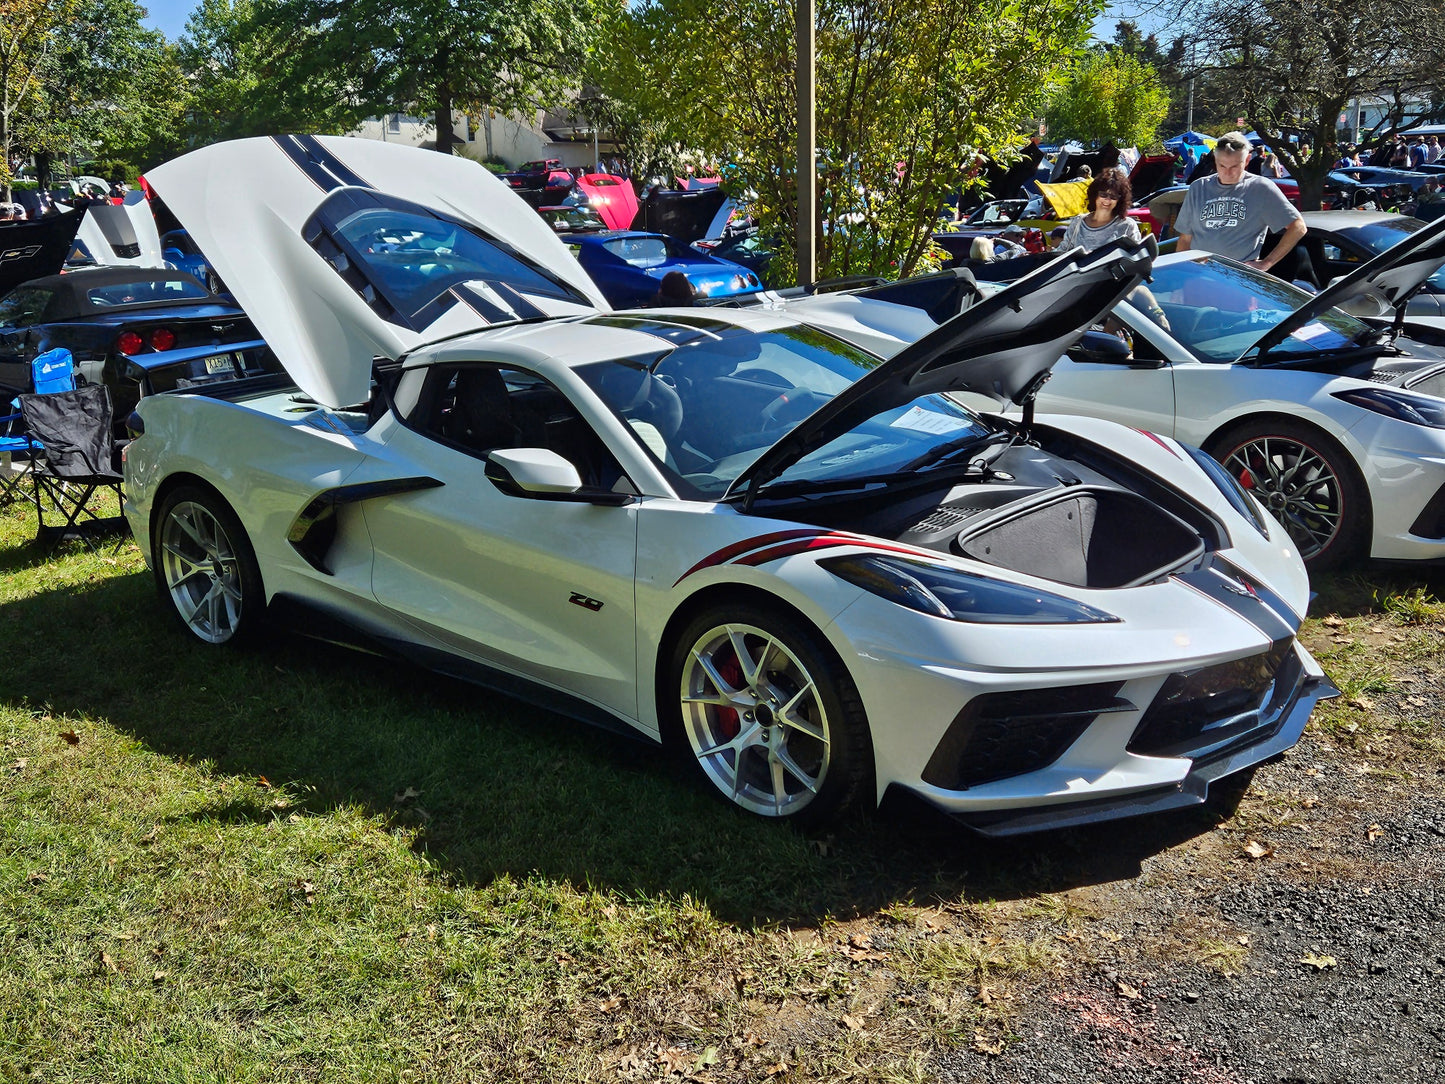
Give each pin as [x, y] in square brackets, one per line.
[731, 671]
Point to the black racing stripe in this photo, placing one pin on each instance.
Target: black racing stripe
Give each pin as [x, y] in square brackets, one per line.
[329, 162]
[1268, 597]
[291, 147]
[524, 308]
[1220, 586]
[480, 304]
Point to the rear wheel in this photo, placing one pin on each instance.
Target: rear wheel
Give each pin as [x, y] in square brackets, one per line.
[205, 568]
[1306, 481]
[769, 714]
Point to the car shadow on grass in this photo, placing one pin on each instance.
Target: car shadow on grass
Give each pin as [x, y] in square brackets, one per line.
[489, 786]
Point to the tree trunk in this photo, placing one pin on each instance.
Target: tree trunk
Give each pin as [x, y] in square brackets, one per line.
[445, 136]
[5, 150]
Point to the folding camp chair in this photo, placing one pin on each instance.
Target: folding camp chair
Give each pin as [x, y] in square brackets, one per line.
[74, 461]
[50, 372]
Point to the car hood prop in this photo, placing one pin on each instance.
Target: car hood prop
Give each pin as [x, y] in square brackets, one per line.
[1396, 274]
[1003, 347]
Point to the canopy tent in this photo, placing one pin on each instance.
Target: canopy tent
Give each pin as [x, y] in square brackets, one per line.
[1193, 139]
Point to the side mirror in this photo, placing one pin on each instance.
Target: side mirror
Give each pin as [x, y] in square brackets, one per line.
[542, 474]
[1101, 348]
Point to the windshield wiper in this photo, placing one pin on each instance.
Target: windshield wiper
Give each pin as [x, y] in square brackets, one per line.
[974, 442]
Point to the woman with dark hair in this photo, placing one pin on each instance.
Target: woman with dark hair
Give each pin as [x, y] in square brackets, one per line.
[1108, 216]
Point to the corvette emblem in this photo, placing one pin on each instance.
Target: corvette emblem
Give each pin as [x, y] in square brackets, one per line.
[1239, 587]
[18, 253]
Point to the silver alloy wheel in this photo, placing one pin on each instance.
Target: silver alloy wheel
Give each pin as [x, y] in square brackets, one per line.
[754, 719]
[1296, 484]
[202, 572]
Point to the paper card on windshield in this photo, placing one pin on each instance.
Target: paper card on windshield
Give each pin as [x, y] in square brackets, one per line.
[928, 421]
[1312, 331]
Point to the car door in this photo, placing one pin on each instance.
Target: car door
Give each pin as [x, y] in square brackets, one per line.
[537, 588]
[1137, 390]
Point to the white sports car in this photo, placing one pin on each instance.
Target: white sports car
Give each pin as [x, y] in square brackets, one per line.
[1336, 423]
[812, 568]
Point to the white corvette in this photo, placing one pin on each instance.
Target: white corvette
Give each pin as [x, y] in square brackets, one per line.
[810, 567]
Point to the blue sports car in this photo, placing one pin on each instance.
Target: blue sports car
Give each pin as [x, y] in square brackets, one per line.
[628, 267]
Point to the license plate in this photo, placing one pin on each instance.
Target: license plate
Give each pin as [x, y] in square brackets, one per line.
[222, 364]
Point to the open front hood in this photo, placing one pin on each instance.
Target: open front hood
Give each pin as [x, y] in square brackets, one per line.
[124, 235]
[342, 250]
[32, 250]
[1151, 173]
[1004, 347]
[1395, 274]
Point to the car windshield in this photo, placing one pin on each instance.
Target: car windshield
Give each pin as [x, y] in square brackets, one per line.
[639, 251]
[1378, 236]
[1219, 309]
[145, 292]
[707, 409]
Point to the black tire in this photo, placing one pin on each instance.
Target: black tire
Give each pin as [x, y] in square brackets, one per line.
[205, 569]
[1325, 509]
[800, 693]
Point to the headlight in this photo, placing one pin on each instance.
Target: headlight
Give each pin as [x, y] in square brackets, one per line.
[1229, 485]
[960, 596]
[1402, 405]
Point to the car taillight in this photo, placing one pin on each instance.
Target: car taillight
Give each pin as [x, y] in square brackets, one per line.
[129, 343]
[163, 338]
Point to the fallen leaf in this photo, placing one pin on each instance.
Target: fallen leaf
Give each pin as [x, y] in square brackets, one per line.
[1319, 963]
[778, 1069]
[19, 765]
[1125, 990]
[907, 999]
[1243, 939]
[38, 878]
[852, 1023]
[752, 1038]
[105, 958]
[610, 1004]
[1360, 703]
[629, 1062]
[405, 795]
[984, 996]
[1310, 803]
[295, 818]
[982, 1045]
[159, 976]
[1373, 833]
[674, 1060]
[1333, 622]
[564, 958]
[1257, 850]
[70, 737]
[860, 940]
[308, 889]
[262, 781]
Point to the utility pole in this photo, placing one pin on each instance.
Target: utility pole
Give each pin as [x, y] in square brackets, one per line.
[807, 184]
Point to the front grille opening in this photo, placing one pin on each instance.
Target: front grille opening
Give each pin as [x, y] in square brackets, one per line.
[999, 735]
[1430, 523]
[1202, 708]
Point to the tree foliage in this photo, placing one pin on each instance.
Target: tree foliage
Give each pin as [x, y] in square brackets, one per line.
[910, 92]
[371, 56]
[1294, 66]
[1110, 96]
[85, 76]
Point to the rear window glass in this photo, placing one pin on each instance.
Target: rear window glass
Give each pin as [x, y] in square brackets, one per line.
[23, 306]
[145, 292]
[638, 251]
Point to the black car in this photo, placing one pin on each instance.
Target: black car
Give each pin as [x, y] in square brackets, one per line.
[107, 316]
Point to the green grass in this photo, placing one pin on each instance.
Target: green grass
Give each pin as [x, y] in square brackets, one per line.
[303, 863]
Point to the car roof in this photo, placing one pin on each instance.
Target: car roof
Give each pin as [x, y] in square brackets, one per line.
[90, 277]
[1343, 220]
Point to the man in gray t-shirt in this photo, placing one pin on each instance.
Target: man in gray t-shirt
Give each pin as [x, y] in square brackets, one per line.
[1230, 212]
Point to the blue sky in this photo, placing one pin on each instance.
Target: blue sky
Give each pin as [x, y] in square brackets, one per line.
[168, 16]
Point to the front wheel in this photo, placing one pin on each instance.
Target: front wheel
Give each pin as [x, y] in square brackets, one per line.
[1306, 481]
[769, 713]
[205, 568]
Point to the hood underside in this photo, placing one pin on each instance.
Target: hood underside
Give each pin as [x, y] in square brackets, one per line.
[1395, 275]
[1003, 347]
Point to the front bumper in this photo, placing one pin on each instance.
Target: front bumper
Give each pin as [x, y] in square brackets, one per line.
[1280, 734]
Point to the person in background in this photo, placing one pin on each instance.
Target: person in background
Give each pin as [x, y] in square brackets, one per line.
[1230, 212]
[675, 291]
[1433, 149]
[1107, 218]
